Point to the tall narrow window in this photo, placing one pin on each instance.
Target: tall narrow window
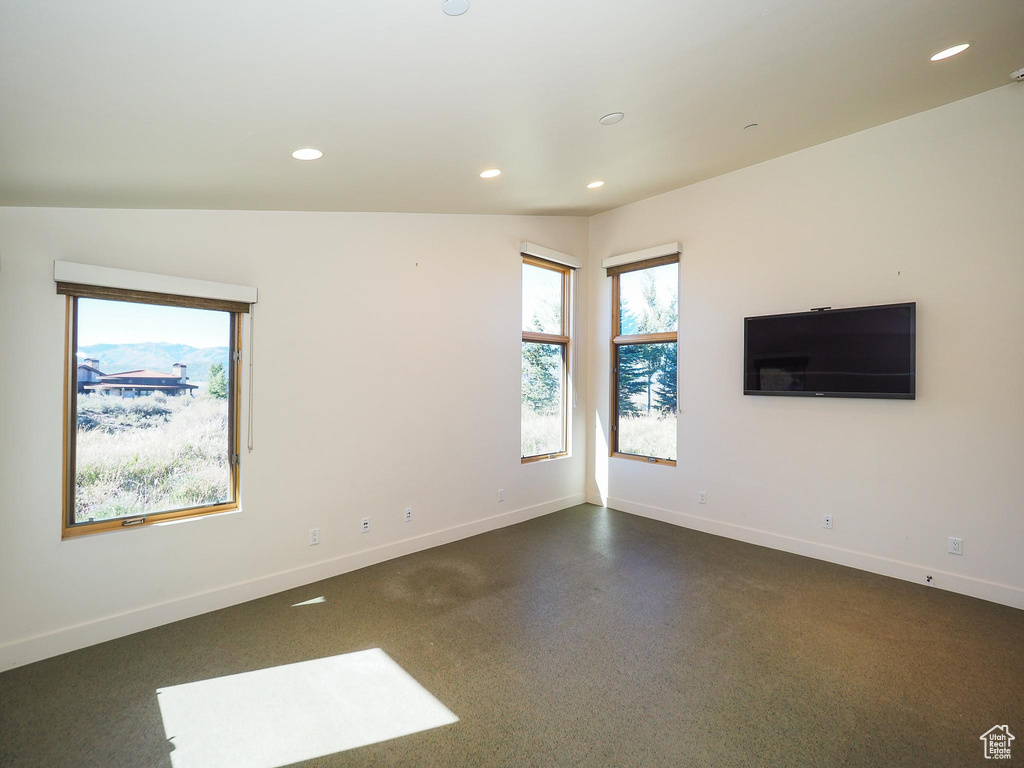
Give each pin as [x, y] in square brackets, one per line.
[545, 368]
[151, 406]
[645, 335]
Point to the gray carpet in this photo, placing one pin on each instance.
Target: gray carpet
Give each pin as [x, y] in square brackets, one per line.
[586, 637]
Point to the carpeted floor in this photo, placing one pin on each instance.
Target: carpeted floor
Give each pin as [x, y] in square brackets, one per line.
[586, 637]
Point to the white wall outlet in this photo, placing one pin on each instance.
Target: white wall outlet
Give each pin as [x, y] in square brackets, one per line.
[826, 521]
[501, 494]
[956, 546]
[408, 514]
[314, 536]
[365, 526]
[702, 497]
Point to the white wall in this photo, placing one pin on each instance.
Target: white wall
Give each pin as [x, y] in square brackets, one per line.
[429, 303]
[925, 209]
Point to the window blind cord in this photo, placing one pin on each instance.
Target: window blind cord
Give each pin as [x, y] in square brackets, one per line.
[252, 325]
[575, 347]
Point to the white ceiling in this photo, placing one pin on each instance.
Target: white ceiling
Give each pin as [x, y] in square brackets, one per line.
[188, 104]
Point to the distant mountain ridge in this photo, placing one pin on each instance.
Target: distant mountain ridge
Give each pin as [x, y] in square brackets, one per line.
[157, 356]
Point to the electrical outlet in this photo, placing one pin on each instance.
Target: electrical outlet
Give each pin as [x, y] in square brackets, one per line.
[956, 546]
[826, 521]
[501, 494]
[314, 536]
[408, 514]
[702, 497]
[365, 527]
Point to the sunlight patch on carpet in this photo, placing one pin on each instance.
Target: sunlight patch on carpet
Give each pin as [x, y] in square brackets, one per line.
[313, 601]
[282, 715]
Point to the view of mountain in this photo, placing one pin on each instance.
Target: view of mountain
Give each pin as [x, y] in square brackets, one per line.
[157, 356]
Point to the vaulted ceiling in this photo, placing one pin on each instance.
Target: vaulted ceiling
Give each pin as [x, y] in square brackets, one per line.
[122, 103]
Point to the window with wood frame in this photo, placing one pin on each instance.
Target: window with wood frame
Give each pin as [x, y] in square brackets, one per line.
[545, 364]
[645, 340]
[151, 407]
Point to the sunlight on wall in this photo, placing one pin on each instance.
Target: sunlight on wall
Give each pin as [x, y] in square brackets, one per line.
[600, 459]
[278, 716]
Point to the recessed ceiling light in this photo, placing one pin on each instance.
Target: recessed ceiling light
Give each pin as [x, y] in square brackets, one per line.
[951, 51]
[595, 184]
[455, 7]
[612, 118]
[307, 153]
[749, 127]
[490, 173]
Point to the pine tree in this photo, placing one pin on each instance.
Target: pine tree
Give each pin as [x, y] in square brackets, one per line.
[631, 376]
[631, 367]
[648, 369]
[666, 392]
[218, 385]
[648, 363]
[541, 382]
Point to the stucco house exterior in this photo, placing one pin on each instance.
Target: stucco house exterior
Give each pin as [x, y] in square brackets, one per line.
[133, 383]
[88, 373]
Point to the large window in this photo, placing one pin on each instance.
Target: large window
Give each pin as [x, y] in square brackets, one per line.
[545, 368]
[151, 430]
[645, 335]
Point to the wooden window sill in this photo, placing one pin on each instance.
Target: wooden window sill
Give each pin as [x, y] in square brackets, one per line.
[644, 459]
[545, 457]
[106, 526]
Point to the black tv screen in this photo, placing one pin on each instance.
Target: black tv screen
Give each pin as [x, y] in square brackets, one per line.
[858, 352]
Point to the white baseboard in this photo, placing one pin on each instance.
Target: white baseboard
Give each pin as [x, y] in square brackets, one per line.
[43, 646]
[965, 585]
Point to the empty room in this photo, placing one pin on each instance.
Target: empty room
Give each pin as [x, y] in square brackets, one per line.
[478, 383]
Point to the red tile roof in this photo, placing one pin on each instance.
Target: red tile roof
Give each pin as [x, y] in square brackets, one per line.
[142, 373]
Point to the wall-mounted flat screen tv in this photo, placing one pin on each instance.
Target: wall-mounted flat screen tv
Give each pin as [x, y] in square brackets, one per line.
[857, 352]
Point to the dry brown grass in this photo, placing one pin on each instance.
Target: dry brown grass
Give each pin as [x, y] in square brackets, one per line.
[149, 454]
